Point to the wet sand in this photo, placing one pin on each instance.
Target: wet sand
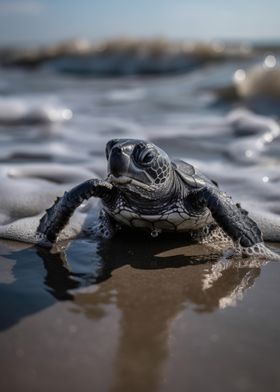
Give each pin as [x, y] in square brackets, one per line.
[163, 323]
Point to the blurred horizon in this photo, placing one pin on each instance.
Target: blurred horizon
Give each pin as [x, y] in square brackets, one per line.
[40, 22]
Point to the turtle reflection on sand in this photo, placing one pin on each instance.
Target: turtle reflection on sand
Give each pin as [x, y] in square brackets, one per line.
[148, 288]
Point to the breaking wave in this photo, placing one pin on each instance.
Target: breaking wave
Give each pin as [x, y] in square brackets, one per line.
[125, 57]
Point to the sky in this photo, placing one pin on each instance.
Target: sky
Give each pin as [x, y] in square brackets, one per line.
[30, 22]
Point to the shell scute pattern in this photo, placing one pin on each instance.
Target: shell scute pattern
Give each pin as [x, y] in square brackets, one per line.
[141, 224]
[165, 225]
[173, 218]
[189, 222]
[153, 218]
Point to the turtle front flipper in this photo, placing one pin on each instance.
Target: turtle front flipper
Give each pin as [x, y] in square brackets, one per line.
[234, 221]
[57, 216]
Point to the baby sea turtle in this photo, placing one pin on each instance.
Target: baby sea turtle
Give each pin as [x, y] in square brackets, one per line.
[146, 190]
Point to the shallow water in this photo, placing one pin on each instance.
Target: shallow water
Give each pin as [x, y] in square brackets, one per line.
[118, 315]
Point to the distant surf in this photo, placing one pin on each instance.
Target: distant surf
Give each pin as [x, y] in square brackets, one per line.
[125, 56]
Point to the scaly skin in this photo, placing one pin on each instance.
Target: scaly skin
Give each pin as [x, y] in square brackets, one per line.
[146, 190]
[57, 217]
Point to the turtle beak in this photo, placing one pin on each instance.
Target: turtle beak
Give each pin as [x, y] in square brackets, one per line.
[122, 170]
[118, 162]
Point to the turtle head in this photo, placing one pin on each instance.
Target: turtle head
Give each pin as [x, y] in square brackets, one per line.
[138, 166]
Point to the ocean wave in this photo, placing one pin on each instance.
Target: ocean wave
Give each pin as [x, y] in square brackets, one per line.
[260, 81]
[124, 56]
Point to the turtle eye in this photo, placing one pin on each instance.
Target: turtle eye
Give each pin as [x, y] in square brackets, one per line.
[147, 157]
[109, 147]
[143, 155]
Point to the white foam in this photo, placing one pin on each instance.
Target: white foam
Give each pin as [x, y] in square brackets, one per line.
[25, 110]
[260, 80]
[26, 191]
[262, 131]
